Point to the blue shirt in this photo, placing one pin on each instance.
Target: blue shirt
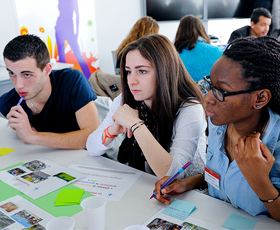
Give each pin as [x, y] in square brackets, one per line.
[200, 59]
[233, 186]
[70, 92]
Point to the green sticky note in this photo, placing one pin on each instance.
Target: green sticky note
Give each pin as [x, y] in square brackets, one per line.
[4, 151]
[69, 197]
[46, 202]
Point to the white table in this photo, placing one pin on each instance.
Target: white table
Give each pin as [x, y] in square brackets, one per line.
[135, 207]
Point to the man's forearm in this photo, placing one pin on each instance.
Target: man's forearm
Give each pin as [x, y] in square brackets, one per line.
[71, 140]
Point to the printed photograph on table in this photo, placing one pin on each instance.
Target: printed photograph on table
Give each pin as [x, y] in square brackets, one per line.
[163, 225]
[65, 176]
[26, 218]
[35, 165]
[16, 171]
[189, 226]
[36, 177]
[5, 221]
[35, 227]
[8, 207]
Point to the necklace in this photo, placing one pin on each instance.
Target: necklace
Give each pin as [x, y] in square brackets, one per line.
[33, 108]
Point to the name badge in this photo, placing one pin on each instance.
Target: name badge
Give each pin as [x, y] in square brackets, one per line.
[212, 178]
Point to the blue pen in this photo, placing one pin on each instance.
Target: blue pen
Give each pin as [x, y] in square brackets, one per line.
[171, 179]
[20, 100]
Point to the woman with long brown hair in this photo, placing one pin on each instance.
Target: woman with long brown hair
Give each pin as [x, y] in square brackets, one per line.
[161, 110]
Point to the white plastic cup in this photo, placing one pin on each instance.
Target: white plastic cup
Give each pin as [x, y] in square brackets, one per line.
[94, 211]
[137, 227]
[61, 223]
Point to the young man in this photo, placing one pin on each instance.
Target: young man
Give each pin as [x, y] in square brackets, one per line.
[260, 22]
[58, 107]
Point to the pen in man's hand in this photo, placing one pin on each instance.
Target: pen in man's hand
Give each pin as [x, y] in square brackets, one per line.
[19, 102]
[171, 179]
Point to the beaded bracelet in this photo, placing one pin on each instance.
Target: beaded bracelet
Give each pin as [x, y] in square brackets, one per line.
[107, 135]
[269, 201]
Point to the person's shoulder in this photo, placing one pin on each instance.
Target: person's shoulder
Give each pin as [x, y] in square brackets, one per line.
[67, 76]
[9, 95]
[67, 72]
[193, 107]
[118, 100]
[7, 100]
[241, 28]
[210, 47]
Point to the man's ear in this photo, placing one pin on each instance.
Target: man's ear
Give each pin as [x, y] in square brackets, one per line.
[252, 25]
[262, 98]
[48, 69]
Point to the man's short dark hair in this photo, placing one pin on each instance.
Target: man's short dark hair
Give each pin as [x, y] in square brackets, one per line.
[28, 45]
[260, 12]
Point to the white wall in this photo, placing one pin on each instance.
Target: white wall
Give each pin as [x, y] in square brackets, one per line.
[8, 24]
[223, 28]
[114, 19]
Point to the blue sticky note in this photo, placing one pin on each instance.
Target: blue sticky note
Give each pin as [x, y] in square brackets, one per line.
[179, 209]
[239, 222]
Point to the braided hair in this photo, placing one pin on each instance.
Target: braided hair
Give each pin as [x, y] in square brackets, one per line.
[260, 61]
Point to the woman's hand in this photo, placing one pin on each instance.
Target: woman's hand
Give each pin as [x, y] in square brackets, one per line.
[126, 116]
[254, 160]
[117, 129]
[178, 186]
[123, 119]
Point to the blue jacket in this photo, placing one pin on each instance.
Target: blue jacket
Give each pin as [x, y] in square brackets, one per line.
[200, 59]
[233, 186]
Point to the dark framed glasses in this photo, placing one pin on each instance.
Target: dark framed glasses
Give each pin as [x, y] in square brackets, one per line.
[220, 94]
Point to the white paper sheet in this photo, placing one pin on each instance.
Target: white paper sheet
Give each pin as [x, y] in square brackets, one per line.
[18, 213]
[39, 177]
[109, 183]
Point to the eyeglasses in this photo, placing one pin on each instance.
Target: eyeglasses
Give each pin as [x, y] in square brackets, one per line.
[220, 94]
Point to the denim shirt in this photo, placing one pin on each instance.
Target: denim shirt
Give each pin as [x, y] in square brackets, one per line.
[233, 185]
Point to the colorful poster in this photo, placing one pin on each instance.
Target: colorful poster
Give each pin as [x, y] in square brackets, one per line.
[39, 177]
[67, 27]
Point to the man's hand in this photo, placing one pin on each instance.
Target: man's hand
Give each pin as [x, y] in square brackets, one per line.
[19, 121]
